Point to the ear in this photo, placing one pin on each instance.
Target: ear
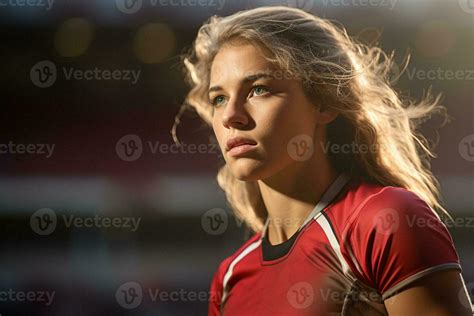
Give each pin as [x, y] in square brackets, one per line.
[325, 116]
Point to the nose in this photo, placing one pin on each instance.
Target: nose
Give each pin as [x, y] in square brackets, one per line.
[234, 114]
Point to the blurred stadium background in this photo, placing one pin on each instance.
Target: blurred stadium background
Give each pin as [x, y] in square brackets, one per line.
[87, 173]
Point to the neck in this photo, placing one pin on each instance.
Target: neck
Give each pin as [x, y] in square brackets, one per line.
[291, 194]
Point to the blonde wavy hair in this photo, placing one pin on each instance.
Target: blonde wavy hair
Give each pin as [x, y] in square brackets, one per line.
[338, 73]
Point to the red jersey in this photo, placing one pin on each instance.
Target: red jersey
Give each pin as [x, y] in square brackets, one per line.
[362, 243]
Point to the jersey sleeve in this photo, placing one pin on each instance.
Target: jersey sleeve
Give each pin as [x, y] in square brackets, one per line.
[216, 289]
[397, 239]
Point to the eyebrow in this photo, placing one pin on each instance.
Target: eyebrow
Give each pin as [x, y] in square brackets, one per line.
[246, 79]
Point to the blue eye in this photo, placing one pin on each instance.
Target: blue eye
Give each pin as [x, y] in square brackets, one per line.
[218, 100]
[256, 91]
[259, 90]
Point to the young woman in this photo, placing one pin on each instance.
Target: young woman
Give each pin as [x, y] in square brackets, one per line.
[323, 162]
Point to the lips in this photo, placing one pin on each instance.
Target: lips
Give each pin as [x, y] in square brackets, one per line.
[239, 141]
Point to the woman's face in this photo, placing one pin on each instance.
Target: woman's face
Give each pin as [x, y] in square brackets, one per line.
[270, 110]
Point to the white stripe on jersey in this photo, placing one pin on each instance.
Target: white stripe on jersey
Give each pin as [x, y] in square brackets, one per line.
[323, 222]
[228, 274]
[333, 190]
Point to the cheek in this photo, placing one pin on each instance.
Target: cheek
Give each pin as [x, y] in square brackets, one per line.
[281, 123]
[218, 130]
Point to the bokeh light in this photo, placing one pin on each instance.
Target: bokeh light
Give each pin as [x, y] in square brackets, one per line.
[435, 39]
[73, 37]
[154, 42]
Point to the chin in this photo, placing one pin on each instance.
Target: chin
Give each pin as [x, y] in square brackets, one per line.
[247, 170]
[252, 170]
